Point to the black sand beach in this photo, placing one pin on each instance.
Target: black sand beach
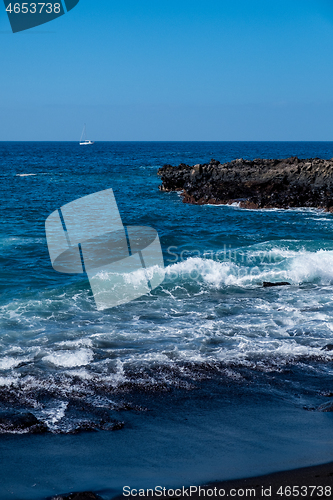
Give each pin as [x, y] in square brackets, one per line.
[308, 482]
[320, 475]
[193, 441]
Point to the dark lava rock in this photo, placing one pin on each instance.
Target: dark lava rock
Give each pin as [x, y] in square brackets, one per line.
[328, 347]
[91, 426]
[278, 283]
[259, 183]
[21, 422]
[326, 407]
[85, 495]
[16, 421]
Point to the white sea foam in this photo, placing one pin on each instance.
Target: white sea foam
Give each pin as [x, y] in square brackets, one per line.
[54, 414]
[69, 359]
[81, 374]
[194, 268]
[308, 267]
[8, 381]
[29, 175]
[182, 323]
[298, 267]
[14, 241]
[6, 363]
[235, 204]
[72, 344]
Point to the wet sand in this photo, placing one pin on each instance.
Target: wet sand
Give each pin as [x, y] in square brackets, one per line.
[308, 482]
[193, 441]
[319, 476]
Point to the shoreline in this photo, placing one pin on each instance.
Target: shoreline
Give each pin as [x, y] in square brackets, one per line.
[317, 475]
[207, 436]
[266, 486]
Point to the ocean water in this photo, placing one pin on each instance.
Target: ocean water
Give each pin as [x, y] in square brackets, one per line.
[209, 336]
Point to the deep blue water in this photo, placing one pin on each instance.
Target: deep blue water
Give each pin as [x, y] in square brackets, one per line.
[209, 328]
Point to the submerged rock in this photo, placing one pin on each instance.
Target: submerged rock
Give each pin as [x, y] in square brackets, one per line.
[259, 183]
[278, 283]
[326, 407]
[20, 423]
[328, 347]
[24, 422]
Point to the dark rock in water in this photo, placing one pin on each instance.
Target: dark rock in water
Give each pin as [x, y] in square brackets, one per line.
[79, 418]
[91, 426]
[328, 347]
[278, 283]
[259, 183]
[21, 422]
[85, 495]
[326, 407]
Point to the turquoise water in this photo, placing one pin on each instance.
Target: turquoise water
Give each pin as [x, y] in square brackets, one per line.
[210, 327]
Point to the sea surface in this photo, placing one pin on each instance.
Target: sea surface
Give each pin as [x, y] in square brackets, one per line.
[208, 364]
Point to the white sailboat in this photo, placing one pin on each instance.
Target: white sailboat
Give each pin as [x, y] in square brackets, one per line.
[84, 141]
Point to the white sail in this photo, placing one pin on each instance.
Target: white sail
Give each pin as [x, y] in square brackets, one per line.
[84, 141]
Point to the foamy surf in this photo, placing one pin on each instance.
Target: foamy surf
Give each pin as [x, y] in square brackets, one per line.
[274, 265]
[69, 359]
[76, 368]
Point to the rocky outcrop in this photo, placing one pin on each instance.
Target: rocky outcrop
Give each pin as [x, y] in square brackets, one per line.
[259, 183]
[11, 422]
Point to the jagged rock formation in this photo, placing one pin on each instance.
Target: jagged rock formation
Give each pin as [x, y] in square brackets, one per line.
[259, 183]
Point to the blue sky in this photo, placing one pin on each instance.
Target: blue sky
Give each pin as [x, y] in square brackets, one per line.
[171, 70]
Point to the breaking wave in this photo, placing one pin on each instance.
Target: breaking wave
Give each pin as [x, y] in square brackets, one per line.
[276, 265]
[65, 367]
